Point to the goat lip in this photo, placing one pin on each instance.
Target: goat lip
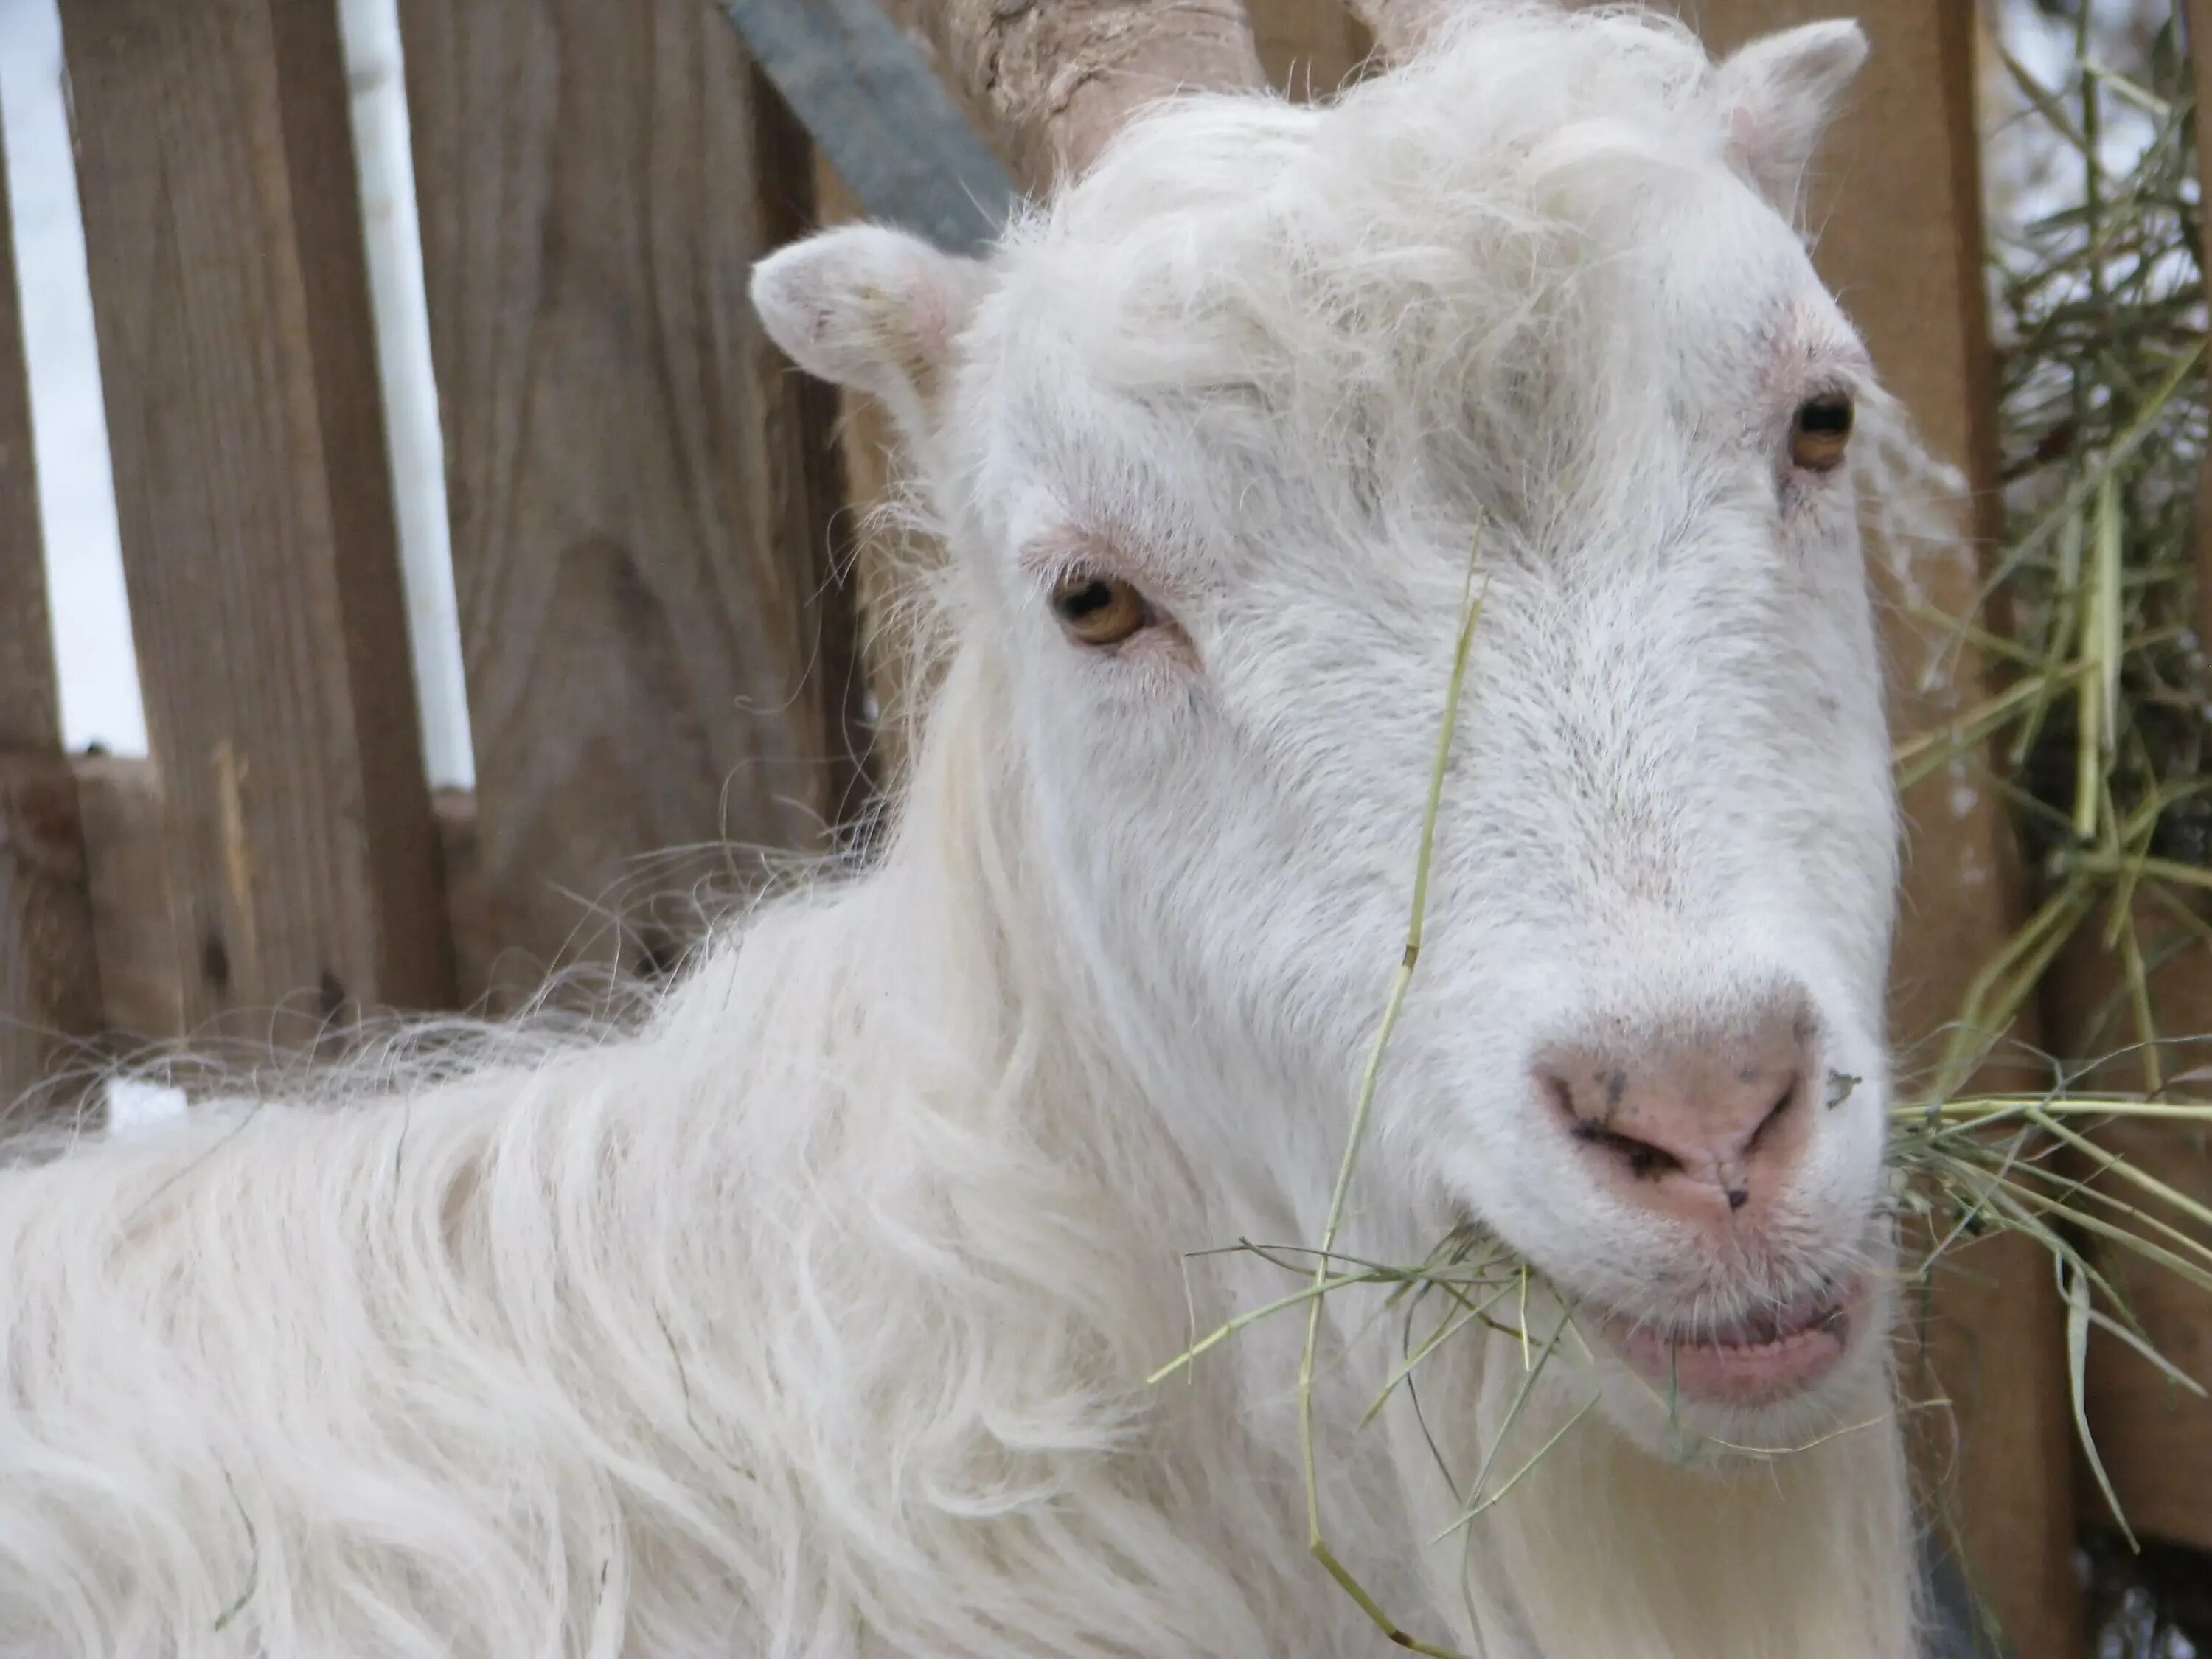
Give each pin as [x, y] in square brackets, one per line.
[1784, 1354]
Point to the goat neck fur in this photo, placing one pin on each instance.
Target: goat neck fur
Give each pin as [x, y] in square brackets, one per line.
[808, 1315]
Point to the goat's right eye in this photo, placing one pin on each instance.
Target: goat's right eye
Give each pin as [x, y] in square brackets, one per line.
[1098, 611]
[1821, 432]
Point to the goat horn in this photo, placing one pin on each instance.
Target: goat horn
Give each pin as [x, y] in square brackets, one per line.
[1052, 80]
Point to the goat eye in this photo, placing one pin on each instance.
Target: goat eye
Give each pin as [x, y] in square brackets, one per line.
[1821, 433]
[1098, 611]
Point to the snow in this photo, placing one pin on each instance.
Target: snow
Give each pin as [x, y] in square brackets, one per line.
[76, 494]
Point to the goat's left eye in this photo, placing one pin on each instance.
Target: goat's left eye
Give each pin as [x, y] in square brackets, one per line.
[1098, 611]
[1821, 432]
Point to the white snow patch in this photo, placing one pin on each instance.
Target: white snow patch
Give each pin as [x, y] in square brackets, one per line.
[136, 1109]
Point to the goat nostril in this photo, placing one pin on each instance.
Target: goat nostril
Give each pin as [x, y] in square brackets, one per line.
[1704, 1121]
[1641, 1159]
[1644, 1161]
[1774, 1115]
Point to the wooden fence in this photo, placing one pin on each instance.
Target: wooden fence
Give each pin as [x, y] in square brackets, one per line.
[660, 634]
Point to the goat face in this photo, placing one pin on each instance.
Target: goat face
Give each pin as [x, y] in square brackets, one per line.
[1218, 439]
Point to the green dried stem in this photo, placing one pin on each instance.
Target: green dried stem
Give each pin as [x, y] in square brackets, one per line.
[1316, 1541]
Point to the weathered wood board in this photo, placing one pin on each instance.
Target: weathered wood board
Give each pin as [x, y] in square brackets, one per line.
[223, 235]
[133, 920]
[49, 985]
[143, 964]
[2155, 1440]
[2199, 14]
[1309, 47]
[656, 630]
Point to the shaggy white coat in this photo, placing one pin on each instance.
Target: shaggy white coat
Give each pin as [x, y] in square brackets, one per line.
[808, 1315]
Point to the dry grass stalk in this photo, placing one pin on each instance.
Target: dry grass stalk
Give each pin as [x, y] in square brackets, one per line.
[2103, 735]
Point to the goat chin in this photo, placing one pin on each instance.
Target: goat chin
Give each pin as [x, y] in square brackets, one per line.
[1612, 1546]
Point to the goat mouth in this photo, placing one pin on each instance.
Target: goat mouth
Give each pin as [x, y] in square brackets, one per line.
[1763, 1357]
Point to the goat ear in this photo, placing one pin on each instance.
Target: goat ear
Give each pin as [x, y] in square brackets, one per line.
[1777, 94]
[872, 309]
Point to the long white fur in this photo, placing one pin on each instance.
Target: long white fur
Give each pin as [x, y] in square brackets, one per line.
[808, 1314]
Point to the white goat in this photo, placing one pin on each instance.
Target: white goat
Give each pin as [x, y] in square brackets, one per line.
[810, 1315]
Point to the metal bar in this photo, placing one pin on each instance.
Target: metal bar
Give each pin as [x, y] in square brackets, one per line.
[867, 95]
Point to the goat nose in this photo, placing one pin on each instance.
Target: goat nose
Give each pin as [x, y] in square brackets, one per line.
[1702, 1125]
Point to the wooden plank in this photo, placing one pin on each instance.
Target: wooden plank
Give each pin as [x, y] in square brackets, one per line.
[2199, 16]
[49, 985]
[223, 236]
[135, 930]
[866, 93]
[49, 980]
[1899, 208]
[1309, 47]
[658, 638]
[143, 965]
[2155, 1440]
[476, 946]
[30, 707]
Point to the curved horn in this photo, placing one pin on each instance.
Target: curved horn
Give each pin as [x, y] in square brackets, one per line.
[1054, 80]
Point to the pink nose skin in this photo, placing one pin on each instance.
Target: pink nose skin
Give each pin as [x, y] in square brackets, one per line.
[1703, 1126]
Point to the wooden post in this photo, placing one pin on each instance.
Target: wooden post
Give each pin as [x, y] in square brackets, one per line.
[658, 638]
[1901, 241]
[1307, 47]
[49, 985]
[223, 234]
[143, 983]
[134, 922]
[2200, 56]
[2155, 1440]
